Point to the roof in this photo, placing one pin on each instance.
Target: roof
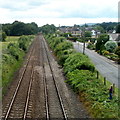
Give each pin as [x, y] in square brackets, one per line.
[114, 36]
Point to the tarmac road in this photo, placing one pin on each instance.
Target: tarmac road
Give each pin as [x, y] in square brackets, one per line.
[105, 66]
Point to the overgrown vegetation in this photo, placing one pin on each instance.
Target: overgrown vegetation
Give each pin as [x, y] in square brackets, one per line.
[81, 75]
[12, 58]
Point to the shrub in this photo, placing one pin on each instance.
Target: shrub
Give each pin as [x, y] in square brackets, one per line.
[85, 82]
[91, 46]
[55, 41]
[3, 36]
[13, 50]
[72, 39]
[78, 61]
[24, 42]
[111, 46]
[62, 46]
[117, 51]
[105, 52]
[64, 55]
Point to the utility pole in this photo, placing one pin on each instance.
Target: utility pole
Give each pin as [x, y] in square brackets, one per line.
[84, 39]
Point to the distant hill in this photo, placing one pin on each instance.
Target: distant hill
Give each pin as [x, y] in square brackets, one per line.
[90, 24]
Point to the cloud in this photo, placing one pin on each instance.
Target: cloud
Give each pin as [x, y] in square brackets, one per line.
[51, 10]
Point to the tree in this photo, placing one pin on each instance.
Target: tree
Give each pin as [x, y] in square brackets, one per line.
[118, 28]
[88, 34]
[101, 41]
[19, 28]
[46, 29]
[111, 46]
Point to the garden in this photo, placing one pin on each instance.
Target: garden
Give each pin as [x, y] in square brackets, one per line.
[105, 47]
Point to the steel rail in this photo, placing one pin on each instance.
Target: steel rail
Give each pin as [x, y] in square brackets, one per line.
[18, 86]
[28, 95]
[45, 86]
[57, 90]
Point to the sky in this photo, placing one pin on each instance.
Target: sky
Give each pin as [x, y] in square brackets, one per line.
[59, 12]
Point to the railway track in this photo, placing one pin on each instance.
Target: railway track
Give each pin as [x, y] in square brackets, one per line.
[37, 94]
[10, 110]
[19, 104]
[61, 105]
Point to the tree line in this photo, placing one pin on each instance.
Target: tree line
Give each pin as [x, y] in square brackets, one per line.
[19, 28]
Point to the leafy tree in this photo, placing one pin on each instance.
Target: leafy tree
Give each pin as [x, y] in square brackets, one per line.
[111, 46]
[101, 41]
[108, 25]
[19, 28]
[46, 29]
[88, 34]
[118, 28]
[100, 28]
[7, 28]
[117, 51]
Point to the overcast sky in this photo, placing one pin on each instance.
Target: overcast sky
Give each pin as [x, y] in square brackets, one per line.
[63, 12]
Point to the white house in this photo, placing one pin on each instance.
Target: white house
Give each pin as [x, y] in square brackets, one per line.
[113, 36]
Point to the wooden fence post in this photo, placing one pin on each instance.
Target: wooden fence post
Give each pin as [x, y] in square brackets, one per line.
[97, 75]
[113, 88]
[104, 80]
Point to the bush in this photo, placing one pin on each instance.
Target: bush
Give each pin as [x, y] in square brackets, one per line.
[78, 61]
[13, 49]
[3, 36]
[62, 46]
[85, 82]
[72, 39]
[91, 46]
[117, 51]
[24, 42]
[80, 75]
[111, 46]
[64, 55]
[53, 42]
[105, 52]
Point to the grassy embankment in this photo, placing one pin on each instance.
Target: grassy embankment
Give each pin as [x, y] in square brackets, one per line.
[13, 52]
[81, 75]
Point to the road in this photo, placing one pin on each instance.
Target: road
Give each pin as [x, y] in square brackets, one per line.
[106, 67]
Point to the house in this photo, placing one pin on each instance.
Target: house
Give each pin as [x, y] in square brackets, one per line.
[112, 31]
[114, 37]
[74, 30]
[94, 33]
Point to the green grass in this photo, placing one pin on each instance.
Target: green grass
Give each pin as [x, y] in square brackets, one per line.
[12, 38]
